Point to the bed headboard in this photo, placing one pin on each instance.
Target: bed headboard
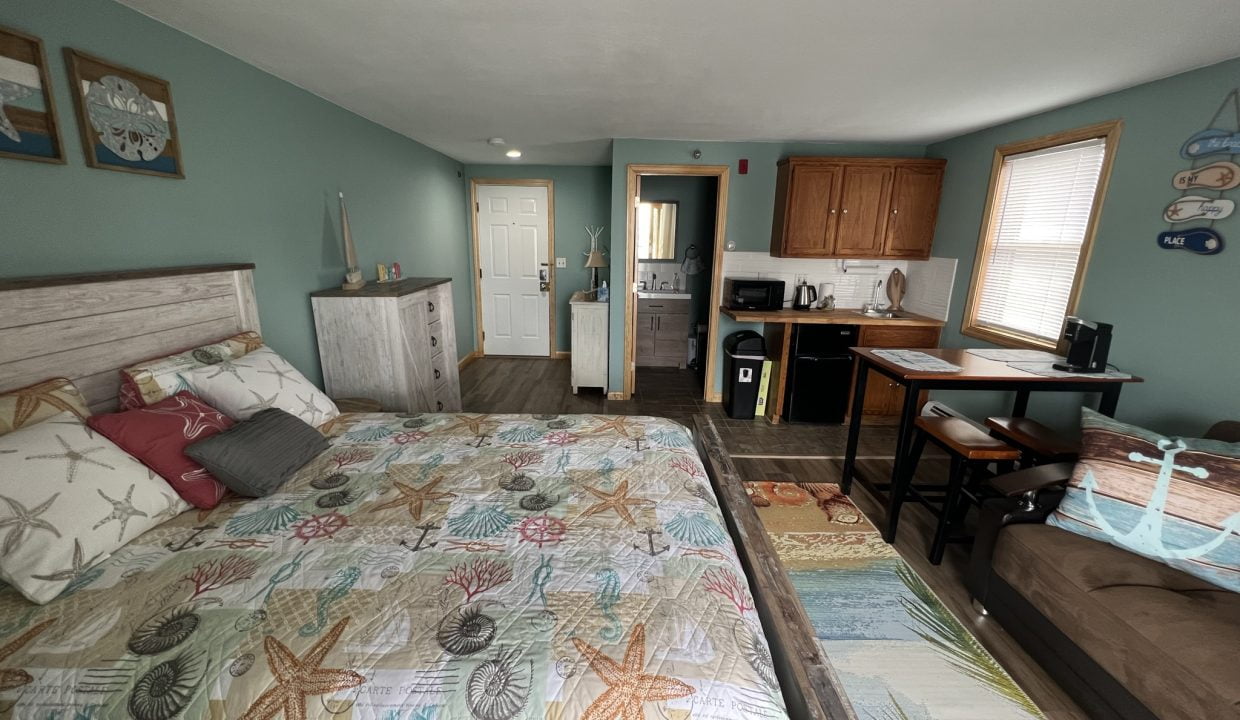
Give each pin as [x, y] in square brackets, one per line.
[87, 327]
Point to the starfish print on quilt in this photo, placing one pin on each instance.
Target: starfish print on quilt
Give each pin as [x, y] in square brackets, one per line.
[299, 677]
[618, 423]
[75, 457]
[196, 421]
[413, 498]
[122, 510]
[22, 522]
[628, 685]
[473, 424]
[10, 679]
[618, 501]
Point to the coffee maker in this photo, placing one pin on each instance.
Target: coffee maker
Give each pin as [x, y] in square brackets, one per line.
[1088, 344]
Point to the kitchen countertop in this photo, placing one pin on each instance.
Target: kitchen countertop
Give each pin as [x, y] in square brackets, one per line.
[828, 317]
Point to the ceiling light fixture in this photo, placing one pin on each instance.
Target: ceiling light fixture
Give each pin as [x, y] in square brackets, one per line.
[495, 141]
[513, 153]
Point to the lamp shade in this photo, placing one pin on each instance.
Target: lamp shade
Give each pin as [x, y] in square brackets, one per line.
[596, 260]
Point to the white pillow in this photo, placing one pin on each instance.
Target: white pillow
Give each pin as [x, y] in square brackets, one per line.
[69, 498]
[259, 380]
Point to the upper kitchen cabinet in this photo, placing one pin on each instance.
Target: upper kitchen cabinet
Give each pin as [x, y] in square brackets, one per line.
[856, 207]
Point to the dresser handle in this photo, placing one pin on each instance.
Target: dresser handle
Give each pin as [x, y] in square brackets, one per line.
[436, 373]
[434, 341]
[430, 306]
[439, 405]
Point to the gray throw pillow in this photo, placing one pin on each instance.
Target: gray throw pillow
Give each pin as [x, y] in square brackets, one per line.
[255, 457]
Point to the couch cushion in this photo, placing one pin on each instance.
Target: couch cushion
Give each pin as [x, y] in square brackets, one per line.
[1165, 635]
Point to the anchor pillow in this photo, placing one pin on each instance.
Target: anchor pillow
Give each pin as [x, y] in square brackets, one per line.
[1175, 500]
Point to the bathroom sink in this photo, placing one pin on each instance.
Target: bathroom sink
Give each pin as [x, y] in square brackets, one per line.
[662, 295]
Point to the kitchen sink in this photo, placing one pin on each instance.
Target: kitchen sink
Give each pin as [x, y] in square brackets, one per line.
[886, 314]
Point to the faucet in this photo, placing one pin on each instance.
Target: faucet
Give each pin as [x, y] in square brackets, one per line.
[872, 306]
[663, 285]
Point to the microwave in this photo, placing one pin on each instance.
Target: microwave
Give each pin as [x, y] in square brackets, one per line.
[747, 294]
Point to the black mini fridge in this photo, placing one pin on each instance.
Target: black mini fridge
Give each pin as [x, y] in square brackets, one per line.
[819, 373]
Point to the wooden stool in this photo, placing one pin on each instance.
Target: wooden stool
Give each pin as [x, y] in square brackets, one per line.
[971, 450]
[1038, 444]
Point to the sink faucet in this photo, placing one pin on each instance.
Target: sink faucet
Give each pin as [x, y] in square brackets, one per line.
[663, 285]
[872, 306]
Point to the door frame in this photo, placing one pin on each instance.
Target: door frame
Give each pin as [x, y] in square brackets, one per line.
[476, 277]
[721, 174]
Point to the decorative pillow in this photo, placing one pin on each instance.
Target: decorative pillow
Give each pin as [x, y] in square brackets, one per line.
[257, 381]
[158, 434]
[36, 403]
[259, 455]
[153, 380]
[68, 499]
[1174, 500]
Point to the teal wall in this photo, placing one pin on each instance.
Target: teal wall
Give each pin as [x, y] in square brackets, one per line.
[1171, 309]
[695, 225]
[263, 163]
[751, 203]
[582, 197]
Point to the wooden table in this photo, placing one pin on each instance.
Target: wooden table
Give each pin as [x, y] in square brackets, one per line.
[976, 373]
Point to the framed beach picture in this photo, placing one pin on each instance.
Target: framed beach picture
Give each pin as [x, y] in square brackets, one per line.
[27, 111]
[125, 117]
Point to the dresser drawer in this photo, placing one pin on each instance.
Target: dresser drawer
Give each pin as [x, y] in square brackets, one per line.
[439, 369]
[447, 399]
[899, 336]
[663, 307]
[436, 337]
[433, 303]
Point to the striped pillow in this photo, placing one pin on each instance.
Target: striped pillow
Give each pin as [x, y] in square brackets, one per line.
[1173, 500]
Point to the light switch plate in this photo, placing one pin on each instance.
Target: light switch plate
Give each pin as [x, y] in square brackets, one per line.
[561, 262]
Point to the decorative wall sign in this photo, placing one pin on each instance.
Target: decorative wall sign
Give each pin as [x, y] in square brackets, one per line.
[1212, 177]
[1195, 207]
[27, 111]
[1223, 175]
[1202, 241]
[125, 117]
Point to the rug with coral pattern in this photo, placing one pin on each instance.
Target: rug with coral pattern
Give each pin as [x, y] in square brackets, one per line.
[899, 652]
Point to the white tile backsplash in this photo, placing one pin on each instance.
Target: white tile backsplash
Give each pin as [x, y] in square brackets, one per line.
[655, 272]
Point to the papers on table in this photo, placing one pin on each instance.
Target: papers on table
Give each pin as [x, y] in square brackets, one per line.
[916, 360]
[1045, 370]
[1010, 355]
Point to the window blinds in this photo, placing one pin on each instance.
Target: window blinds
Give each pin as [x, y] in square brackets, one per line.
[1039, 221]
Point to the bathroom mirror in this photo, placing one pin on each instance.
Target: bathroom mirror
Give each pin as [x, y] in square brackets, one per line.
[656, 230]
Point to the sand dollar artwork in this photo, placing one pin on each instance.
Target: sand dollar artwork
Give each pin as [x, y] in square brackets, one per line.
[128, 122]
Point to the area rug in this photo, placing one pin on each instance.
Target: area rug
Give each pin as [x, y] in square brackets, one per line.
[899, 652]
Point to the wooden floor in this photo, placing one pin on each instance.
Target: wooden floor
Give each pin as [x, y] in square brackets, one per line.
[761, 451]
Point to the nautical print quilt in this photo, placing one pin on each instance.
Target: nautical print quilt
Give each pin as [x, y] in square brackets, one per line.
[425, 567]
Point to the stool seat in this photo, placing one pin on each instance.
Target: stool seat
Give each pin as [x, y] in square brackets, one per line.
[963, 438]
[1038, 438]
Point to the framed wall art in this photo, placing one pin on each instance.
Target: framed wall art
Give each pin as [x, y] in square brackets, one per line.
[27, 111]
[125, 117]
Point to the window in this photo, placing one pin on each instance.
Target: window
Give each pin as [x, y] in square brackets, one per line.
[1045, 198]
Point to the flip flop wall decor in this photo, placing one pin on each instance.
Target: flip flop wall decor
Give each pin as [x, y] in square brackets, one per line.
[1202, 241]
[1195, 207]
[1211, 142]
[1223, 175]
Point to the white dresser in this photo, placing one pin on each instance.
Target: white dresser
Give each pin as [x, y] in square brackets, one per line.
[391, 342]
[589, 349]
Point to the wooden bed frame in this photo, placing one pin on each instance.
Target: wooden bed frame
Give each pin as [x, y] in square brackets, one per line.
[87, 327]
[810, 686]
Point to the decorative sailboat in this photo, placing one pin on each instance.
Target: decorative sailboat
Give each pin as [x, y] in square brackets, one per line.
[353, 272]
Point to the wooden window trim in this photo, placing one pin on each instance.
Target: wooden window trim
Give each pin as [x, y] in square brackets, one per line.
[1008, 338]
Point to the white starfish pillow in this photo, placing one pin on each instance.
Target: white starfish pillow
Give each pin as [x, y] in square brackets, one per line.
[259, 380]
[69, 498]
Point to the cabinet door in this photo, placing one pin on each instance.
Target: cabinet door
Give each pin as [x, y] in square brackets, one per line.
[865, 192]
[914, 208]
[646, 334]
[882, 395]
[810, 213]
[670, 333]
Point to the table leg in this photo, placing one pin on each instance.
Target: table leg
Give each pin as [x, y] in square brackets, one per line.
[854, 425]
[1110, 400]
[904, 437]
[1020, 405]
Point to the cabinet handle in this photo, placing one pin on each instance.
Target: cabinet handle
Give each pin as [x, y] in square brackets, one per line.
[832, 211]
[439, 405]
[434, 341]
[436, 373]
[894, 211]
[430, 306]
[845, 211]
[659, 322]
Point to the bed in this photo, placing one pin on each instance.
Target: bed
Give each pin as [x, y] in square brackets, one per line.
[424, 566]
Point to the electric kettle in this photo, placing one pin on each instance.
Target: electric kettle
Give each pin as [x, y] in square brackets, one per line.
[803, 297]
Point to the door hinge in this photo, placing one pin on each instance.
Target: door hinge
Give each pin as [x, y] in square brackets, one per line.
[477, 207]
[479, 273]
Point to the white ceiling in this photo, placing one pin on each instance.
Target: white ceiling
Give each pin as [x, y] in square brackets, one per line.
[558, 78]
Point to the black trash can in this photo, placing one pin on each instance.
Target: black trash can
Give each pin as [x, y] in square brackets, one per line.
[743, 355]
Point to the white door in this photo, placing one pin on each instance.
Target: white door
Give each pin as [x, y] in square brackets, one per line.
[513, 251]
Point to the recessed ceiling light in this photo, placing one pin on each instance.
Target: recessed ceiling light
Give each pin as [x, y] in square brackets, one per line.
[513, 153]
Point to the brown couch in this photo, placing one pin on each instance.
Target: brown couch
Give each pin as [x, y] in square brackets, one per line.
[1127, 637]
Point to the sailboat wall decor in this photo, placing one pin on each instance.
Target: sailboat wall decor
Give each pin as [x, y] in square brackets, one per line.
[1168, 499]
[353, 272]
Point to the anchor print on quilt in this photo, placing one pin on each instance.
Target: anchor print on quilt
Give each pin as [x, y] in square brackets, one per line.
[1173, 500]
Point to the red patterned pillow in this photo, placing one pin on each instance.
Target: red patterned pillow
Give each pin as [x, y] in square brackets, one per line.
[158, 435]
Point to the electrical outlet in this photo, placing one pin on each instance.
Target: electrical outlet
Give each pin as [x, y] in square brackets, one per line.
[561, 262]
